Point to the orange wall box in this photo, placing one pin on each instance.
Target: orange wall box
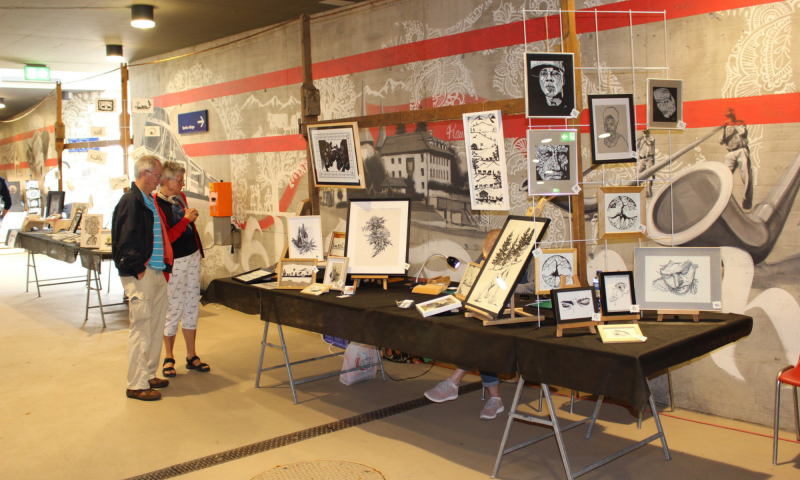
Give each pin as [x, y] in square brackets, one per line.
[220, 196]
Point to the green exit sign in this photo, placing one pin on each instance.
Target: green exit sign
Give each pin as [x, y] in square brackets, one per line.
[40, 73]
[568, 137]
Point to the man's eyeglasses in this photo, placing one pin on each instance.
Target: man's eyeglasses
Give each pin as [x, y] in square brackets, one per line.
[157, 175]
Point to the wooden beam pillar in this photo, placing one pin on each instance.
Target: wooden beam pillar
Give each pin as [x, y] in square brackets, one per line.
[60, 131]
[125, 139]
[310, 105]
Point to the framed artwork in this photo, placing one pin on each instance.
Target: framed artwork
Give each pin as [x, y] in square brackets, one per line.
[78, 208]
[305, 237]
[316, 289]
[620, 333]
[468, 280]
[572, 305]
[377, 234]
[336, 247]
[679, 278]
[551, 264]
[55, 203]
[336, 272]
[104, 243]
[438, 305]
[549, 85]
[336, 155]
[617, 293]
[257, 275]
[664, 103]
[11, 238]
[90, 230]
[488, 176]
[296, 273]
[552, 162]
[75, 222]
[621, 212]
[505, 264]
[612, 127]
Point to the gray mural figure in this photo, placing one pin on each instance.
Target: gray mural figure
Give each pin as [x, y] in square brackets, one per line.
[734, 139]
[646, 148]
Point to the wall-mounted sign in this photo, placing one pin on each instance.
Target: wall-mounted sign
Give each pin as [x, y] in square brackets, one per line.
[118, 183]
[193, 122]
[152, 131]
[138, 153]
[81, 140]
[96, 156]
[97, 131]
[106, 105]
[142, 105]
[37, 72]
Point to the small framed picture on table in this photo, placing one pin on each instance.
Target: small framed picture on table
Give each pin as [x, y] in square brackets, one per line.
[574, 305]
[296, 273]
[336, 272]
[616, 293]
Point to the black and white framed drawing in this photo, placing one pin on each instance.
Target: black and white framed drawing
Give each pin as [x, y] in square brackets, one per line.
[621, 212]
[296, 273]
[78, 208]
[612, 127]
[620, 333]
[305, 237]
[90, 230]
[552, 162]
[336, 155]
[678, 278]
[75, 222]
[336, 272]
[576, 304]
[551, 265]
[617, 293]
[55, 203]
[549, 85]
[468, 280]
[504, 266]
[664, 103]
[336, 247]
[488, 175]
[438, 305]
[377, 235]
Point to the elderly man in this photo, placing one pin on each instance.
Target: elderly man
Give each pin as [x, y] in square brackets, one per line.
[5, 195]
[143, 256]
[550, 77]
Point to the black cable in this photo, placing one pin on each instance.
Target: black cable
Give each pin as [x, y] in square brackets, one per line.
[433, 362]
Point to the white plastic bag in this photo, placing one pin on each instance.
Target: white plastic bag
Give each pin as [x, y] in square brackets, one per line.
[358, 354]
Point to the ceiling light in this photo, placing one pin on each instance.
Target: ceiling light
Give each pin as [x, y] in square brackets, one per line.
[2, 103]
[114, 53]
[142, 16]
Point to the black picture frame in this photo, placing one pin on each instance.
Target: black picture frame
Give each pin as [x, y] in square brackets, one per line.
[351, 242]
[623, 109]
[536, 101]
[56, 196]
[560, 296]
[257, 275]
[75, 224]
[607, 295]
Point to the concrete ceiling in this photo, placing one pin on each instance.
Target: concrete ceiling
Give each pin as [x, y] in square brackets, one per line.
[70, 35]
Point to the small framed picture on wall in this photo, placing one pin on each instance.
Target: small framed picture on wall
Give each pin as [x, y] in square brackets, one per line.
[621, 212]
[664, 104]
[336, 155]
[549, 85]
[552, 162]
[612, 127]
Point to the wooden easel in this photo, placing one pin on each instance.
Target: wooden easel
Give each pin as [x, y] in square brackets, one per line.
[694, 313]
[516, 315]
[576, 282]
[538, 209]
[378, 278]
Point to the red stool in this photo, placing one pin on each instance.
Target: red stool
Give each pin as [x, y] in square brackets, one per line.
[790, 376]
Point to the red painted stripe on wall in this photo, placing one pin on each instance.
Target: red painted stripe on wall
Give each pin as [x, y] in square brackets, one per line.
[26, 135]
[50, 162]
[283, 143]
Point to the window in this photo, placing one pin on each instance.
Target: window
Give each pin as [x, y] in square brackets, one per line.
[399, 173]
[392, 160]
[423, 185]
[422, 172]
[399, 161]
[392, 173]
[409, 159]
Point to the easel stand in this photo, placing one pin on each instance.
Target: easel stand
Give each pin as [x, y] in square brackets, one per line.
[516, 315]
[384, 279]
[565, 326]
[694, 313]
[633, 317]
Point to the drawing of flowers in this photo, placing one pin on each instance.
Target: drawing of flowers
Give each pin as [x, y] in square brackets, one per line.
[377, 234]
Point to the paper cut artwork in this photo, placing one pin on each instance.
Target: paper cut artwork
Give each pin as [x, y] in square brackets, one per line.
[551, 265]
[488, 176]
[336, 155]
[664, 103]
[552, 162]
[621, 212]
[612, 128]
[549, 85]
[296, 273]
[616, 292]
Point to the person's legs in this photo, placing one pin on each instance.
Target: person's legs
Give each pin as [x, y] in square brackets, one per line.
[173, 316]
[142, 317]
[747, 178]
[448, 389]
[494, 405]
[191, 307]
[159, 304]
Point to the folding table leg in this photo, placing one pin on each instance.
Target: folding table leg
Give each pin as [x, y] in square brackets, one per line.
[88, 292]
[99, 288]
[288, 365]
[261, 357]
[671, 396]
[32, 263]
[509, 423]
[594, 415]
[658, 424]
[380, 362]
[571, 400]
[557, 431]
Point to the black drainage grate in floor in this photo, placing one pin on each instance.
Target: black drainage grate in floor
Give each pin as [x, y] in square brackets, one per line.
[284, 440]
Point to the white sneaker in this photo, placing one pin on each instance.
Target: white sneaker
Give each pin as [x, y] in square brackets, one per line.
[492, 408]
[443, 392]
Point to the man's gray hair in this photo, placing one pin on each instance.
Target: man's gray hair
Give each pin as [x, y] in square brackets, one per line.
[147, 162]
[172, 170]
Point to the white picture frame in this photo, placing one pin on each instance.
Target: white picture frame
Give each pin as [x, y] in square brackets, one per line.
[438, 305]
[678, 278]
[486, 162]
[377, 236]
[305, 237]
[620, 333]
[104, 243]
[91, 227]
[552, 162]
[336, 272]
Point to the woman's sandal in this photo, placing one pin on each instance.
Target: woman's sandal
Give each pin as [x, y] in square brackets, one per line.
[171, 370]
[202, 367]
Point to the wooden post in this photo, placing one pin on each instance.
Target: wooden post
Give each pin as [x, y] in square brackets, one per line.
[60, 131]
[310, 105]
[572, 45]
[124, 120]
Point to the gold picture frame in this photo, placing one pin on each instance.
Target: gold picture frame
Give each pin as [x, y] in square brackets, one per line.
[621, 213]
[302, 274]
[335, 153]
[554, 268]
[336, 249]
[620, 333]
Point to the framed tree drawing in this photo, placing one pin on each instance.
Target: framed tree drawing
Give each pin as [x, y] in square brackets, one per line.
[468, 280]
[664, 104]
[305, 237]
[488, 176]
[505, 264]
[549, 85]
[551, 265]
[336, 247]
[621, 212]
[90, 230]
[377, 235]
[552, 162]
[612, 126]
[336, 272]
[678, 278]
[571, 305]
[617, 293]
[336, 155]
[296, 273]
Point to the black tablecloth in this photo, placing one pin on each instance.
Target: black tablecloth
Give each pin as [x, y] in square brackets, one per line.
[234, 295]
[40, 243]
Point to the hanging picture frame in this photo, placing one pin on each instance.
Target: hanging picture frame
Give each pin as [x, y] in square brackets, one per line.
[574, 305]
[617, 293]
[91, 225]
[552, 162]
[612, 128]
[549, 85]
[486, 165]
[621, 212]
[551, 265]
[55, 203]
[678, 278]
[665, 104]
[296, 273]
[305, 237]
[336, 246]
[336, 272]
[505, 264]
[468, 280]
[336, 155]
[377, 234]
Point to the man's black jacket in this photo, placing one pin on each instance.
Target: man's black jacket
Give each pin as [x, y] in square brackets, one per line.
[132, 234]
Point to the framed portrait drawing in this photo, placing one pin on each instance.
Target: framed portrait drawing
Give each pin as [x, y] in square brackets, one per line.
[104, 243]
[678, 278]
[336, 272]
[305, 237]
[296, 273]
[488, 175]
[336, 155]
[552, 162]
[55, 203]
[620, 333]
[617, 293]
[551, 265]
[505, 264]
[90, 230]
[468, 280]
[377, 235]
[621, 212]
[612, 127]
[78, 208]
[549, 85]
[572, 305]
[336, 247]
[664, 103]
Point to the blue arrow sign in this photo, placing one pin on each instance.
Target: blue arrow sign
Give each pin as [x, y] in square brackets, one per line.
[193, 122]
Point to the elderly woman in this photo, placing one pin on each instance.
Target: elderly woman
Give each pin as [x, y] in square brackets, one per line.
[184, 284]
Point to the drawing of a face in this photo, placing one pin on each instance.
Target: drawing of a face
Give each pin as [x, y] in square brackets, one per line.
[678, 278]
[553, 162]
[94, 226]
[618, 291]
[622, 212]
[575, 305]
[664, 101]
[610, 120]
[551, 81]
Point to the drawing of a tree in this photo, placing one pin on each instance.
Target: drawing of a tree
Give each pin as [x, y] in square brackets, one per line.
[302, 242]
[378, 236]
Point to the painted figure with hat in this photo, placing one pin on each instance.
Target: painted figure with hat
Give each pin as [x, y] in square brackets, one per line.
[734, 138]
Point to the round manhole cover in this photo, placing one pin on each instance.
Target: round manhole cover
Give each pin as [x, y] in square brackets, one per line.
[321, 470]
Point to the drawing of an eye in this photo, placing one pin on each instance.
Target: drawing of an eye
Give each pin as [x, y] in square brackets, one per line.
[584, 302]
[567, 304]
[622, 212]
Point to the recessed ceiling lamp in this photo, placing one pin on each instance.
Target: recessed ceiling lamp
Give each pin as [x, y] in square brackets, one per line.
[2, 103]
[142, 16]
[114, 53]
